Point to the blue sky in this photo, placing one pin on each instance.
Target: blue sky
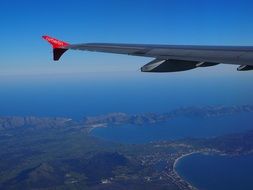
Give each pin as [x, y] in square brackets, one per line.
[216, 22]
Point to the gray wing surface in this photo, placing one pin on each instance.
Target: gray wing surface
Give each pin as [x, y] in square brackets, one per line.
[169, 58]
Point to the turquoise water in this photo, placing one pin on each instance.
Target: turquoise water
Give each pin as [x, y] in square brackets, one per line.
[213, 172]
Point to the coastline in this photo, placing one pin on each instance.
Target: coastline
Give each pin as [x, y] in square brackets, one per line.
[176, 173]
[182, 156]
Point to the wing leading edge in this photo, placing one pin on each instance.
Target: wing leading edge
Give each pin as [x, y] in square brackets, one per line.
[168, 58]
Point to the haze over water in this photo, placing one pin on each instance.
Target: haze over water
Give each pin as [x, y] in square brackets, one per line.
[79, 95]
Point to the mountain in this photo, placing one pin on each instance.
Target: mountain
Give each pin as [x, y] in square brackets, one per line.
[118, 119]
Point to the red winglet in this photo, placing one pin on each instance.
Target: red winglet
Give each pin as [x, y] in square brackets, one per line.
[58, 46]
[55, 43]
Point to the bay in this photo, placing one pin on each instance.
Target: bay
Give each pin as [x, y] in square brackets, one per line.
[214, 172]
[178, 128]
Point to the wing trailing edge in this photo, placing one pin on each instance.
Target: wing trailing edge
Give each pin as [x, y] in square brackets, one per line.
[160, 66]
[245, 68]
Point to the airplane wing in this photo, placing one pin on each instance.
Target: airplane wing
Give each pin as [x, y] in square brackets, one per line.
[167, 58]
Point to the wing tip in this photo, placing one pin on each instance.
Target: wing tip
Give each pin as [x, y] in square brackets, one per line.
[59, 47]
[55, 42]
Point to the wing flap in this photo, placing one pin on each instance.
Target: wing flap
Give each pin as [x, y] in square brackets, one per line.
[245, 68]
[158, 66]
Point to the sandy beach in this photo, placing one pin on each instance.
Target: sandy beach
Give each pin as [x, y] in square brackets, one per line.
[184, 155]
